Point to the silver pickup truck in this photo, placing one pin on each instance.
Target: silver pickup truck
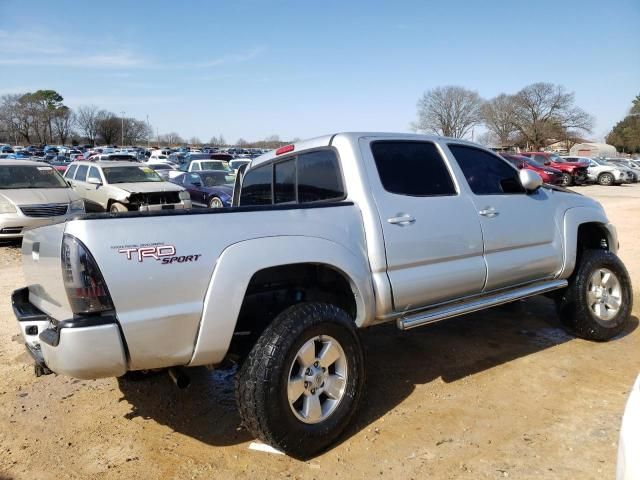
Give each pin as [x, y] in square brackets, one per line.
[327, 237]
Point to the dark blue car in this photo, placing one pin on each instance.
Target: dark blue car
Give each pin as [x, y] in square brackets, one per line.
[208, 188]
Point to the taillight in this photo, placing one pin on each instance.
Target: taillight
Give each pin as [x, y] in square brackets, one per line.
[85, 286]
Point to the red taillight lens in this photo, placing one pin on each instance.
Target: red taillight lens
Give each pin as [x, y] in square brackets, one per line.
[285, 149]
[85, 286]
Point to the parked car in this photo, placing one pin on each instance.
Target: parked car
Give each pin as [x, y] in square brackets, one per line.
[237, 163]
[634, 167]
[628, 467]
[208, 188]
[32, 194]
[573, 173]
[114, 186]
[330, 236]
[198, 165]
[548, 174]
[166, 170]
[602, 172]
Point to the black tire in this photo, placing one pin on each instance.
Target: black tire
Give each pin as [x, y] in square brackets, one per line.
[567, 180]
[574, 307]
[118, 208]
[605, 179]
[261, 389]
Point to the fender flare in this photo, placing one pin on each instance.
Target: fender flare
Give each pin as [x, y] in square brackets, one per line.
[573, 218]
[239, 262]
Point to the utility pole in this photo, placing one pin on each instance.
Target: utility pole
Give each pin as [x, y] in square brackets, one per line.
[148, 132]
[122, 130]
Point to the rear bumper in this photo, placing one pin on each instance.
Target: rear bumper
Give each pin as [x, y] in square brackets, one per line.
[87, 348]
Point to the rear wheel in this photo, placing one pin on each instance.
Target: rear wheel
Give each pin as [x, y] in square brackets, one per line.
[301, 383]
[118, 208]
[566, 180]
[597, 303]
[605, 179]
[215, 202]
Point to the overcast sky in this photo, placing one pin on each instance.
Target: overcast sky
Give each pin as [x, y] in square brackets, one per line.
[250, 69]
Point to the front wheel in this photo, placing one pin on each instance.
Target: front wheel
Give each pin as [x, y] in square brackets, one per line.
[215, 202]
[605, 179]
[118, 208]
[597, 303]
[301, 383]
[566, 180]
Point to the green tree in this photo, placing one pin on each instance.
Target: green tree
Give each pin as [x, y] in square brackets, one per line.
[635, 106]
[625, 136]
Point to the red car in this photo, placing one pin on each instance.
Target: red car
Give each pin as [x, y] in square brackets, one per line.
[549, 175]
[573, 173]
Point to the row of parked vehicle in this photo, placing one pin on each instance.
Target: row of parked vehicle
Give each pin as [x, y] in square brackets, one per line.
[568, 170]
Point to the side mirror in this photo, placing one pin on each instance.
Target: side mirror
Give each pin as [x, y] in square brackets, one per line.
[197, 184]
[530, 180]
[547, 162]
[94, 181]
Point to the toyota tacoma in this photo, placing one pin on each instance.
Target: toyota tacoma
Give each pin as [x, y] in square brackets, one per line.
[326, 237]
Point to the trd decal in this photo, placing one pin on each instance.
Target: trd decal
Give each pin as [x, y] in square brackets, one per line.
[166, 254]
[140, 253]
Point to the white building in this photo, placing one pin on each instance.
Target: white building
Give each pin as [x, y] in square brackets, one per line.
[593, 150]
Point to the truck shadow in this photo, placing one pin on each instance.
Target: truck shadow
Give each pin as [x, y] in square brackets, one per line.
[395, 362]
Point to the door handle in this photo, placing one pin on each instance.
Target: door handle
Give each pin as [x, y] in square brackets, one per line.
[402, 220]
[489, 212]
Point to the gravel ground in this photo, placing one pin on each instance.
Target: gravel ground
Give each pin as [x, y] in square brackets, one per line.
[501, 393]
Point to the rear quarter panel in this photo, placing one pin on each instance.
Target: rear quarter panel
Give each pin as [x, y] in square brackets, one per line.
[160, 304]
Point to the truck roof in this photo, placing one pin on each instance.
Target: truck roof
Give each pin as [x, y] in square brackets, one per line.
[326, 140]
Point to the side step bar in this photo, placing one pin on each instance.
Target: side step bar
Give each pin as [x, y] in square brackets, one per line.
[437, 314]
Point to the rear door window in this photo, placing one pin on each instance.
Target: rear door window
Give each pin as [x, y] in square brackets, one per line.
[319, 177]
[412, 168]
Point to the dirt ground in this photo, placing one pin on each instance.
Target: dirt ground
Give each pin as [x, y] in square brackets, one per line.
[497, 394]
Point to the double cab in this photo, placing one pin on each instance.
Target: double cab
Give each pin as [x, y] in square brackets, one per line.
[326, 237]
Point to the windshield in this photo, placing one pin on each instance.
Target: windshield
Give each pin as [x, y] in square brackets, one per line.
[18, 176]
[130, 175]
[214, 179]
[214, 165]
[160, 166]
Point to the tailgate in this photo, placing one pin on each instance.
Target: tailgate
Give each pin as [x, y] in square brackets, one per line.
[43, 271]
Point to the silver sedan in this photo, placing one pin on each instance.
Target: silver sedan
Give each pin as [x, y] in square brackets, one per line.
[33, 194]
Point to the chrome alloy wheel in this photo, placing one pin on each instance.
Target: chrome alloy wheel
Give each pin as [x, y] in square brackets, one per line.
[317, 379]
[604, 294]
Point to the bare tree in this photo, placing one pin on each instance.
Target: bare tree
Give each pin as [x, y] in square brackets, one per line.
[109, 128]
[241, 142]
[499, 116]
[135, 131]
[194, 141]
[87, 119]
[544, 111]
[450, 111]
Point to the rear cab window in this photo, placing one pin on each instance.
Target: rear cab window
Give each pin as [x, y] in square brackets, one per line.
[304, 178]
